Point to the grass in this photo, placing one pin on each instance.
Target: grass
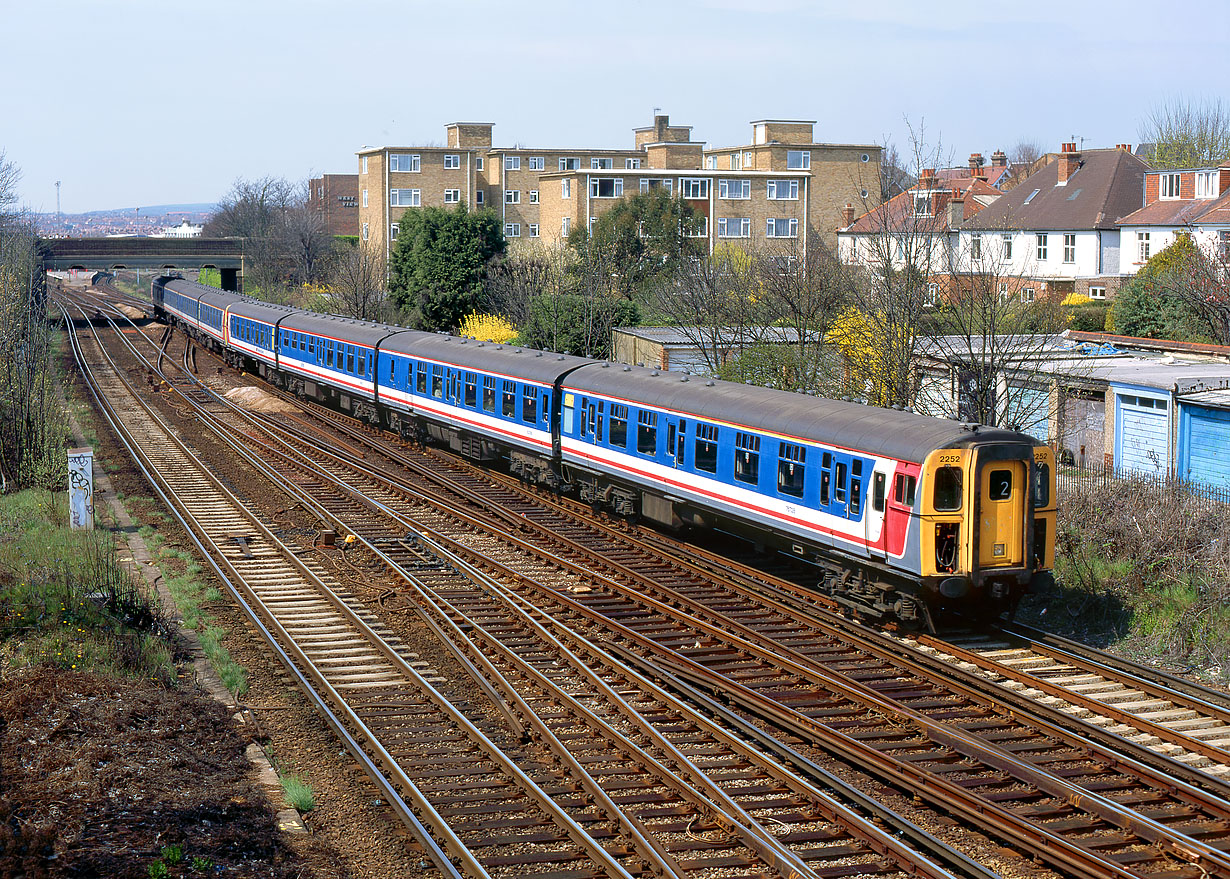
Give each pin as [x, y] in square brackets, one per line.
[298, 794]
[66, 601]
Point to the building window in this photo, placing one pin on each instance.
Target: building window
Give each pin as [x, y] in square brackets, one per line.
[536, 163]
[564, 226]
[512, 230]
[452, 196]
[365, 164]
[736, 161]
[512, 163]
[606, 187]
[975, 246]
[932, 298]
[1206, 184]
[734, 189]
[364, 231]
[632, 164]
[783, 190]
[1097, 292]
[1142, 246]
[694, 187]
[452, 162]
[1069, 248]
[394, 228]
[365, 198]
[711, 163]
[644, 184]
[320, 192]
[478, 196]
[403, 162]
[478, 163]
[698, 227]
[734, 227]
[1006, 242]
[565, 189]
[1223, 245]
[922, 204]
[512, 196]
[1004, 295]
[405, 198]
[601, 164]
[782, 228]
[1169, 184]
[1041, 239]
[533, 230]
[1027, 294]
[570, 164]
[533, 196]
[798, 160]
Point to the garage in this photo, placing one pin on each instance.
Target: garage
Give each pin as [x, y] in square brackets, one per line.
[1142, 433]
[1203, 434]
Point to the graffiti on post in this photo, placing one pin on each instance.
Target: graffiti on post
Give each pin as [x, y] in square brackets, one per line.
[81, 488]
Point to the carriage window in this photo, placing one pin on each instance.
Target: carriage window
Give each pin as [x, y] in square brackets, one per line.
[877, 495]
[350, 359]
[529, 404]
[856, 494]
[599, 421]
[1000, 485]
[437, 382]
[947, 494]
[363, 363]
[619, 426]
[488, 394]
[826, 480]
[706, 447]
[568, 415]
[1042, 485]
[420, 378]
[903, 489]
[471, 390]
[839, 480]
[647, 432]
[330, 357]
[790, 469]
[747, 458]
[508, 399]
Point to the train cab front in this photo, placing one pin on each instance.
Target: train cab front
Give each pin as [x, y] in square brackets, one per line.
[988, 524]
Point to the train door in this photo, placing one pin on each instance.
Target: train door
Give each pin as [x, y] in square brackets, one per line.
[876, 518]
[676, 443]
[1001, 513]
[838, 484]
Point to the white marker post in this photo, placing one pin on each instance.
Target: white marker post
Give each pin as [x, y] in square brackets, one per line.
[81, 489]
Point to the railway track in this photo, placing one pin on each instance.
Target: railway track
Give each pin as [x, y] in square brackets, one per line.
[272, 583]
[1072, 801]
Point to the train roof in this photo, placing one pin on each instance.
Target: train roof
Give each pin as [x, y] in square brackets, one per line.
[212, 295]
[509, 360]
[893, 433]
[262, 311]
[332, 326]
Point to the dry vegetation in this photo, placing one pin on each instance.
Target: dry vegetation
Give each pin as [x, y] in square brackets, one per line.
[1145, 569]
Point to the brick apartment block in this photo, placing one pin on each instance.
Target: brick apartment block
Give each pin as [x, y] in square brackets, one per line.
[335, 199]
[773, 191]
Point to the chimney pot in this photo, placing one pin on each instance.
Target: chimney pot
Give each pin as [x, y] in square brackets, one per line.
[975, 161]
[999, 159]
[1068, 148]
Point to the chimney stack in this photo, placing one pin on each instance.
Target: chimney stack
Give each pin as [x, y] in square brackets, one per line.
[1069, 161]
[998, 159]
[975, 164]
[1126, 147]
[847, 216]
[927, 179]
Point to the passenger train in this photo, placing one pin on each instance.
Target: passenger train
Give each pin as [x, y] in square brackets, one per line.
[904, 515]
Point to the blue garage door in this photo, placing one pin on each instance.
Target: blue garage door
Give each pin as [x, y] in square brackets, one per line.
[1206, 438]
[1143, 435]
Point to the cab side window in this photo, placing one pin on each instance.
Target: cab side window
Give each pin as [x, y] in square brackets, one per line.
[946, 496]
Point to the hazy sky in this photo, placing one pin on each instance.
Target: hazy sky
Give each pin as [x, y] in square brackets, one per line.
[142, 102]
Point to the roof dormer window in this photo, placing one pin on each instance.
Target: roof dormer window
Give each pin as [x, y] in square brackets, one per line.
[1206, 184]
[922, 204]
[1168, 185]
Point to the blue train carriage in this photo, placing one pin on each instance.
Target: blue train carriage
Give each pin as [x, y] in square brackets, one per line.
[483, 400]
[251, 334]
[333, 360]
[200, 310]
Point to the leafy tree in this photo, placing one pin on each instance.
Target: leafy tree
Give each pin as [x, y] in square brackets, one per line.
[575, 323]
[1171, 297]
[643, 238]
[440, 261]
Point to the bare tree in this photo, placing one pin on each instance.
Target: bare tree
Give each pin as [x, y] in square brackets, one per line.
[894, 179]
[256, 211]
[513, 282]
[1023, 160]
[356, 283]
[10, 175]
[308, 241]
[1188, 133]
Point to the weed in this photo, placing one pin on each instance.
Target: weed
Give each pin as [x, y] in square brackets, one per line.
[172, 854]
[298, 794]
[157, 870]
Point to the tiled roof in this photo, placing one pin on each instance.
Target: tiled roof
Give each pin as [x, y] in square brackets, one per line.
[897, 214]
[1178, 212]
[1107, 185]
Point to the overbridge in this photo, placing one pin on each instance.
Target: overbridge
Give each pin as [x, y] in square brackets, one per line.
[148, 254]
